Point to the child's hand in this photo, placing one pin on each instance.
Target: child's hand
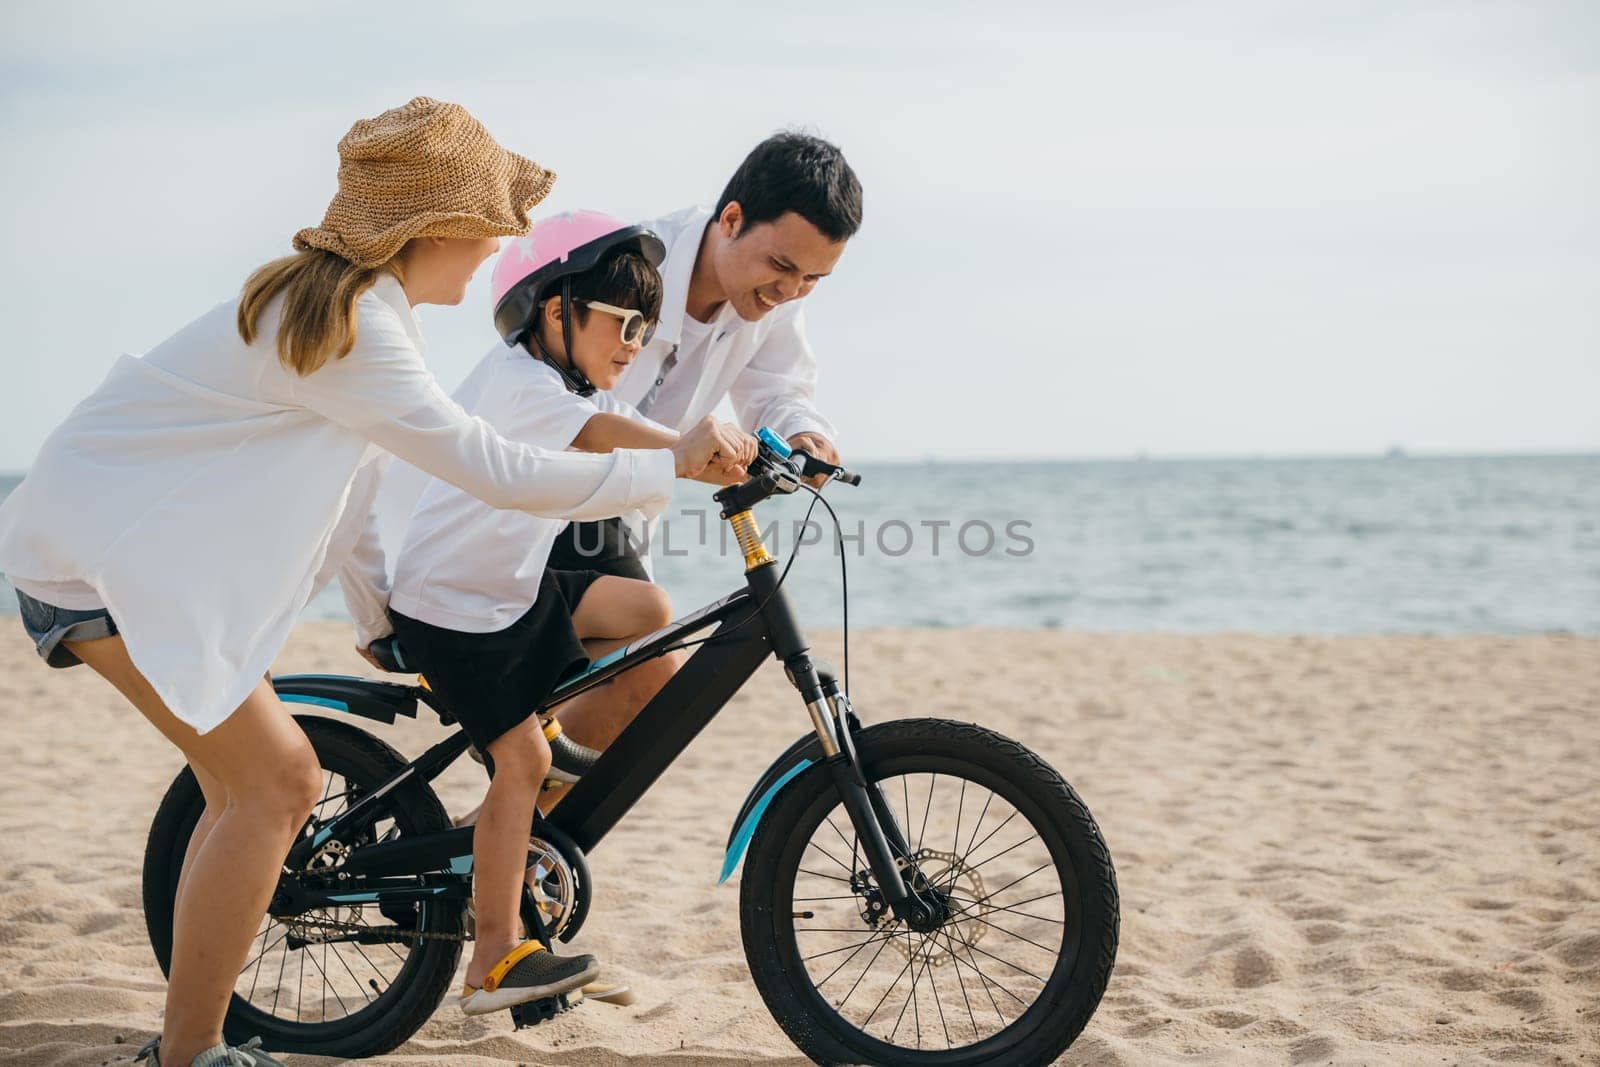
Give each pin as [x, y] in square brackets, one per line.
[740, 452]
[698, 447]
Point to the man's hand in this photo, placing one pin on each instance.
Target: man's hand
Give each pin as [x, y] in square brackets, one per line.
[366, 654]
[713, 443]
[820, 448]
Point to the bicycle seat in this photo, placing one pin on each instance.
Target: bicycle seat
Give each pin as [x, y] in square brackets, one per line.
[390, 656]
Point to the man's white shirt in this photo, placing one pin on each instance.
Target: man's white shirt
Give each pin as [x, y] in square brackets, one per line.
[766, 368]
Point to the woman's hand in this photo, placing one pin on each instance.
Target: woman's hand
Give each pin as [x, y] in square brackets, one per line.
[366, 654]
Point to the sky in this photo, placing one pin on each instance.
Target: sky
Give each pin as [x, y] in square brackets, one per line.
[1091, 230]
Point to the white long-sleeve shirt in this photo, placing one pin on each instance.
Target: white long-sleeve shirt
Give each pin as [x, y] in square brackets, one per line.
[197, 489]
[463, 565]
[765, 368]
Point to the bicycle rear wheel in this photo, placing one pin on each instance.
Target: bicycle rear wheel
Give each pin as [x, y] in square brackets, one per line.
[307, 985]
[1014, 971]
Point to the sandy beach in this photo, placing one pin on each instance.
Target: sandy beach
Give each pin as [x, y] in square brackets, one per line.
[1330, 850]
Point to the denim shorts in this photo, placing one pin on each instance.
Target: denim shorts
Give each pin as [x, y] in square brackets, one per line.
[49, 625]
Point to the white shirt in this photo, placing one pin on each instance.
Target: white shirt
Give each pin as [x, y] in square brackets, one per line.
[765, 367]
[197, 490]
[462, 564]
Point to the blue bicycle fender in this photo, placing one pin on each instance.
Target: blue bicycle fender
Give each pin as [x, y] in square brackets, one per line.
[747, 828]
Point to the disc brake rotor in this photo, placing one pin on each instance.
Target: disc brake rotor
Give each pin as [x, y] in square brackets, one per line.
[947, 871]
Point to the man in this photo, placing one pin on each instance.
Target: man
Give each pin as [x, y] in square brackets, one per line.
[731, 323]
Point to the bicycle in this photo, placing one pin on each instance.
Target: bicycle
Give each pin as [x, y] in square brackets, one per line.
[944, 891]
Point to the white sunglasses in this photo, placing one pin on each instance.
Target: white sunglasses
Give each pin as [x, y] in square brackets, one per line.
[636, 329]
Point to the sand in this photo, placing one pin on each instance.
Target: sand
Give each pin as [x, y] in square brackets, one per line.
[1331, 850]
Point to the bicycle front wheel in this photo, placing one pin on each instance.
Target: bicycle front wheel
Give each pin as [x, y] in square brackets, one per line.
[1019, 962]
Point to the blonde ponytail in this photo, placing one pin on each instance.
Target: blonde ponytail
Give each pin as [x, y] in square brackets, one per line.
[318, 321]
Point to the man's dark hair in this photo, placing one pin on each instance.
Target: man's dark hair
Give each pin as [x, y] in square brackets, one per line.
[624, 278]
[797, 172]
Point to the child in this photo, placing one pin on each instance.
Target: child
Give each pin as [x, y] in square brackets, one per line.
[474, 606]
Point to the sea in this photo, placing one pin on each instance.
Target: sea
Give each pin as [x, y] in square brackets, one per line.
[1399, 544]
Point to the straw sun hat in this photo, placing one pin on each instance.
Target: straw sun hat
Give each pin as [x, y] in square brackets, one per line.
[427, 169]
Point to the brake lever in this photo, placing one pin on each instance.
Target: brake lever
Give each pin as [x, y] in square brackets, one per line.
[810, 465]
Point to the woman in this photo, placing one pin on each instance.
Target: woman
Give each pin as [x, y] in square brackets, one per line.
[173, 527]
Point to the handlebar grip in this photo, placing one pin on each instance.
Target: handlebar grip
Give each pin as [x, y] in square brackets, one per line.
[810, 465]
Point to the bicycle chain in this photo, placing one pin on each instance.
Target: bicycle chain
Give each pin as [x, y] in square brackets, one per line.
[326, 926]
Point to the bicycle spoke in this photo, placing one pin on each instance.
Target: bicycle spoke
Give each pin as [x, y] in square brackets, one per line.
[937, 1003]
[338, 955]
[955, 842]
[977, 826]
[885, 944]
[1010, 907]
[882, 936]
[279, 988]
[962, 983]
[1002, 852]
[974, 948]
[326, 986]
[989, 985]
[265, 948]
[986, 837]
[926, 809]
[836, 830]
[1013, 908]
[1024, 878]
[819, 874]
[847, 959]
[885, 996]
[911, 958]
[831, 856]
[1003, 930]
[905, 791]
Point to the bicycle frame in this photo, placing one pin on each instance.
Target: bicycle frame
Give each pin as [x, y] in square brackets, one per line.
[751, 624]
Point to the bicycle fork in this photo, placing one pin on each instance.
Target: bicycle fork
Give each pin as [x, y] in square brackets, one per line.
[887, 853]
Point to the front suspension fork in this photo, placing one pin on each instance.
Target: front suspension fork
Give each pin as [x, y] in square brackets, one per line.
[882, 840]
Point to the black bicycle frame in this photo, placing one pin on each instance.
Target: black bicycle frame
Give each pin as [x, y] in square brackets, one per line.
[751, 624]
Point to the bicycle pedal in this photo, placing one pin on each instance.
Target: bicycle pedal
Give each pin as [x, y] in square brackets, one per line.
[607, 993]
[534, 1012]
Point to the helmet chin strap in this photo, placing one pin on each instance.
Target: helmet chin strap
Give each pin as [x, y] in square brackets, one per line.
[575, 378]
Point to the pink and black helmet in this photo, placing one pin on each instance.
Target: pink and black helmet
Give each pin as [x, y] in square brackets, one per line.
[556, 247]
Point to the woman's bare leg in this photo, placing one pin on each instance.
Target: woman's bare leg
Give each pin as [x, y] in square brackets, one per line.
[271, 781]
[500, 844]
[216, 803]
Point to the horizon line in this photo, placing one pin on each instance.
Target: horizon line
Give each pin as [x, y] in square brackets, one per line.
[1180, 457]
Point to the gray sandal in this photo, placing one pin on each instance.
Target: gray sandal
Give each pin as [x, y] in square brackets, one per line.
[223, 1055]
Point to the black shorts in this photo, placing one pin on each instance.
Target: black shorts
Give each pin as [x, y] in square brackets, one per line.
[493, 682]
[597, 546]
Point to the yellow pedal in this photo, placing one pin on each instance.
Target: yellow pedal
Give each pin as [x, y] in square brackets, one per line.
[609, 993]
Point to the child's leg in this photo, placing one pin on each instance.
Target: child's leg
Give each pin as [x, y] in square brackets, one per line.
[613, 612]
[500, 844]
